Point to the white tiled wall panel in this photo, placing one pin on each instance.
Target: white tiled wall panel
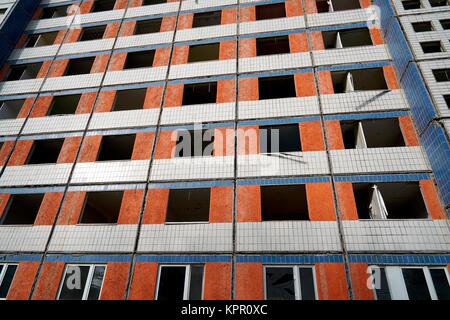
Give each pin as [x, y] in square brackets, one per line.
[275, 62]
[11, 127]
[24, 238]
[124, 119]
[110, 172]
[93, 238]
[56, 124]
[20, 86]
[350, 55]
[35, 175]
[192, 168]
[272, 236]
[188, 5]
[202, 33]
[202, 69]
[363, 101]
[144, 40]
[397, 235]
[283, 164]
[201, 237]
[33, 53]
[135, 76]
[338, 17]
[152, 10]
[292, 23]
[209, 112]
[400, 159]
[73, 82]
[287, 107]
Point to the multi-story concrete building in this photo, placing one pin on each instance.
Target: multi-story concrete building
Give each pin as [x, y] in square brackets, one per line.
[98, 96]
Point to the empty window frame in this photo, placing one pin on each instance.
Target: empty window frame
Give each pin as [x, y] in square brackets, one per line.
[447, 100]
[358, 80]
[347, 38]
[180, 282]
[10, 109]
[372, 133]
[445, 23]
[132, 99]
[289, 283]
[423, 26]
[412, 283]
[81, 282]
[284, 202]
[101, 207]
[336, 5]
[411, 4]
[62, 105]
[92, 33]
[272, 45]
[139, 59]
[199, 93]
[431, 46]
[45, 151]
[40, 40]
[188, 205]
[7, 272]
[23, 71]
[79, 66]
[103, 5]
[3, 11]
[116, 147]
[204, 52]
[280, 138]
[270, 11]
[206, 19]
[22, 209]
[194, 143]
[54, 12]
[389, 200]
[276, 87]
[151, 2]
[438, 3]
[147, 26]
[442, 75]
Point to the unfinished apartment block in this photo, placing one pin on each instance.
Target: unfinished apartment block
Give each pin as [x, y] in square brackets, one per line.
[225, 150]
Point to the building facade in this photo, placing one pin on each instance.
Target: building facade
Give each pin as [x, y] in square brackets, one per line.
[134, 150]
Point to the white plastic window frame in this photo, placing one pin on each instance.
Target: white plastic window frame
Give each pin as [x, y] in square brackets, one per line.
[3, 272]
[187, 278]
[89, 278]
[297, 284]
[397, 285]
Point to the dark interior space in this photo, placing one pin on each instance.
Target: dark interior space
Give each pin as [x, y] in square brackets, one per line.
[101, 207]
[206, 19]
[139, 59]
[148, 26]
[288, 138]
[403, 200]
[363, 80]
[79, 66]
[188, 205]
[271, 11]
[117, 147]
[195, 143]
[204, 52]
[284, 202]
[378, 133]
[45, 151]
[10, 109]
[132, 99]
[62, 105]
[276, 87]
[272, 45]
[199, 93]
[349, 38]
[92, 33]
[103, 5]
[22, 209]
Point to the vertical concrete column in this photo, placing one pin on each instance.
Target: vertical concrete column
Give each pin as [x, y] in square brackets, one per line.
[310, 6]
[325, 82]
[331, 283]
[71, 208]
[311, 136]
[217, 281]
[320, 201]
[221, 204]
[143, 284]
[334, 135]
[49, 280]
[115, 281]
[249, 203]
[391, 78]
[408, 131]
[358, 272]
[346, 200]
[156, 206]
[249, 281]
[430, 195]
